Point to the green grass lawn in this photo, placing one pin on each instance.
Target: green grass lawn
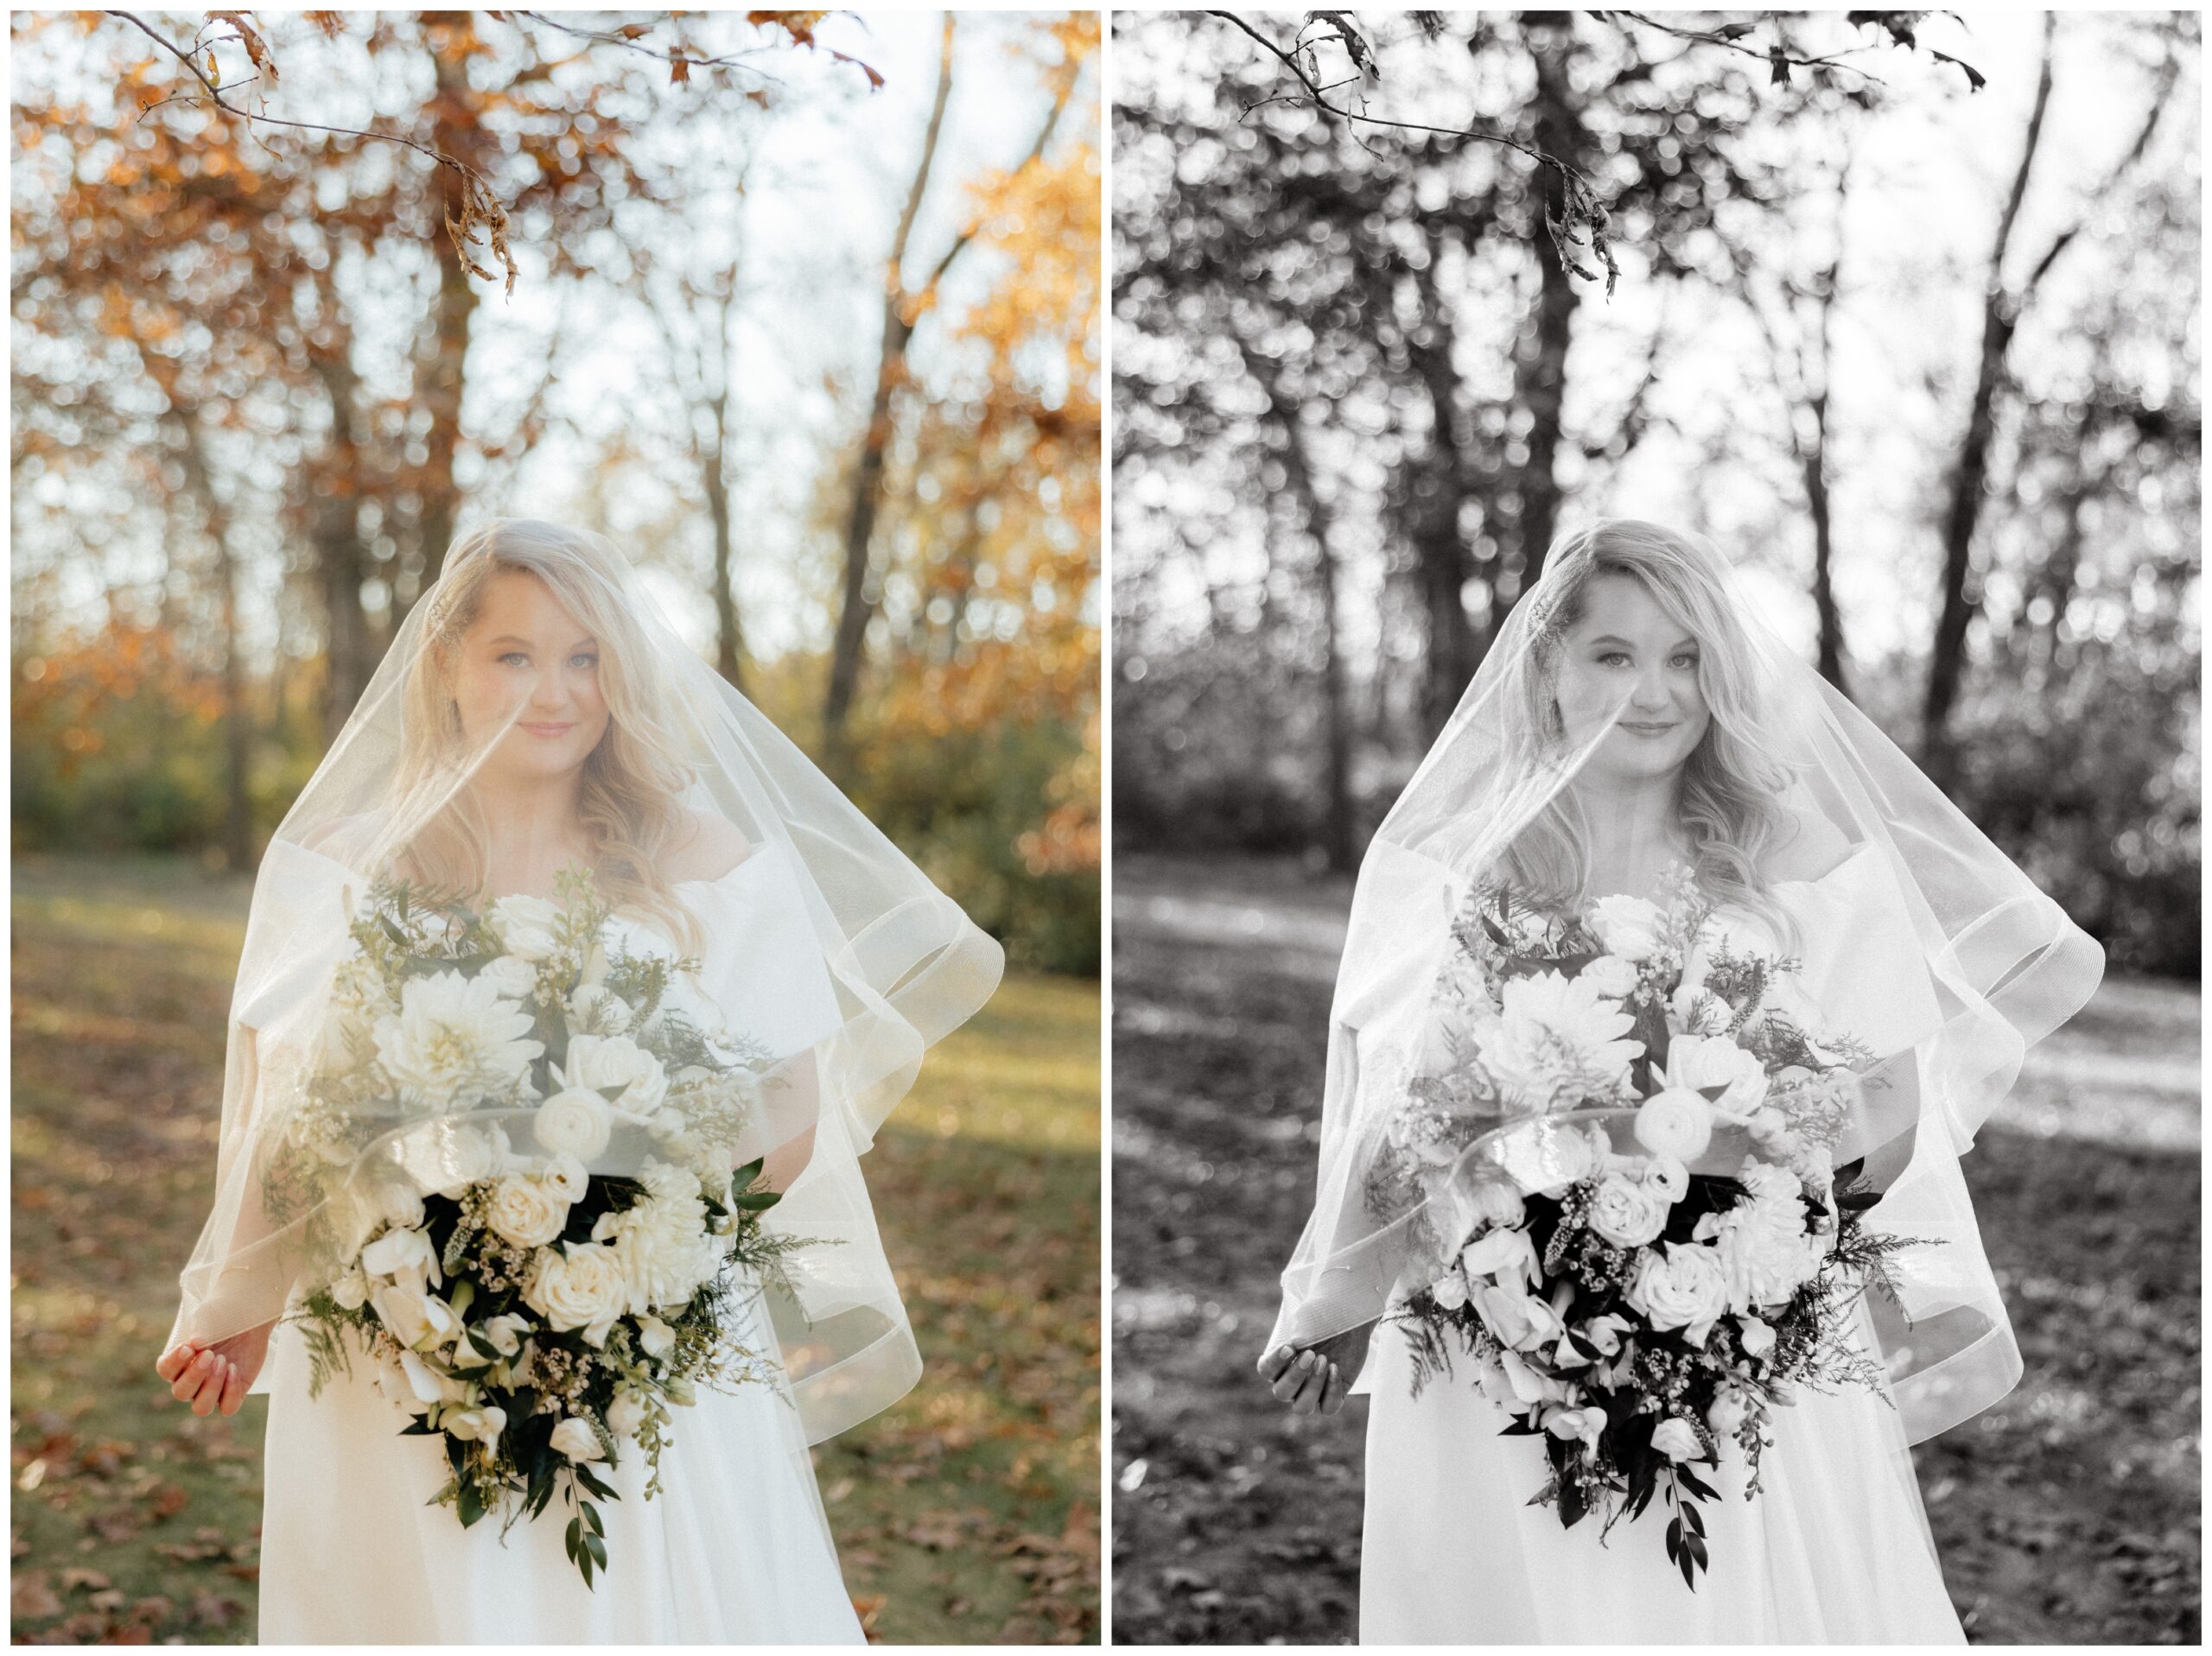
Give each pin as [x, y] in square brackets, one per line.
[968, 1513]
[2066, 1513]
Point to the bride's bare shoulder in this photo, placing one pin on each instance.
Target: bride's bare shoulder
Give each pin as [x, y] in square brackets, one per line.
[1808, 847]
[705, 846]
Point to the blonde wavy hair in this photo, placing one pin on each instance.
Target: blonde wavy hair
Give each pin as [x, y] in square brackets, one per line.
[633, 781]
[1730, 806]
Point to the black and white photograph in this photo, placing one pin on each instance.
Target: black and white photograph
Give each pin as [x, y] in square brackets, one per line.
[1654, 827]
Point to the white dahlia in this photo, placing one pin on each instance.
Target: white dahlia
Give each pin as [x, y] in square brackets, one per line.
[1557, 1042]
[454, 1040]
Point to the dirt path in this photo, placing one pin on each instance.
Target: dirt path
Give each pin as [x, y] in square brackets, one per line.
[2066, 1514]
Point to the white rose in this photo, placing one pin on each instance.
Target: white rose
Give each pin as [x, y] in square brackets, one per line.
[1676, 1123]
[1588, 1424]
[481, 1425]
[654, 1336]
[1603, 1333]
[582, 1288]
[525, 1212]
[526, 926]
[1505, 1255]
[1680, 1285]
[1627, 1212]
[1449, 1291]
[351, 1289]
[506, 1333]
[1628, 926]
[565, 1177]
[1696, 1061]
[1728, 1412]
[1677, 1439]
[574, 1121]
[1667, 1175]
[626, 1414]
[402, 1253]
[602, 1062]
[1613, 976]
[1520, 1320]
[516, 977]
[574, 1438]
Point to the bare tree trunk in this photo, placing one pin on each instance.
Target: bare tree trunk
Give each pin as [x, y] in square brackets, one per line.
[1814, 460]
[1970, 474]
[1441, 554]
[858, 606]
[237, 718]
[341, 561]
[716, 481]
[1540, 376]
[1338, 829]
[456, 130]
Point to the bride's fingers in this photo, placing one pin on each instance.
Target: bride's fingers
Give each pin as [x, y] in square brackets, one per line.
[234, 1390]
[1292, 1380]
[1317, 1388]
[1332, 1391]
[1272, 1363]
[171, 1363]
[210, 1388]
[186, 1385]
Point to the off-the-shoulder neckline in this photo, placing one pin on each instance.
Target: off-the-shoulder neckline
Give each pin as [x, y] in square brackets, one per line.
[755, 854]
[1842, 863]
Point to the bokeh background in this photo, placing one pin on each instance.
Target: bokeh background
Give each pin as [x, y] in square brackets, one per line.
[801, 309]
[1904, 314]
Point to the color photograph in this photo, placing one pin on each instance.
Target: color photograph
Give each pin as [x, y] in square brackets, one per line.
[555, 593]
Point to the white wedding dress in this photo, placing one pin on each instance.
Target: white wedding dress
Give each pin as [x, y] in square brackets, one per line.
[1834, 1550]
[735, 1547]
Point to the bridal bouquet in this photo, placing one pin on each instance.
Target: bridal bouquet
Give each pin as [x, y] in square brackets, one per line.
[1630, 1125]
[531, 1314]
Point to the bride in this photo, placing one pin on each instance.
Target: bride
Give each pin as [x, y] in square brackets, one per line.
[535, 719]
[1632, 724]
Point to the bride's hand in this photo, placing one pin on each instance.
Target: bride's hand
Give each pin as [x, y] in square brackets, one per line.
[1315, 1381]
[216, 1375]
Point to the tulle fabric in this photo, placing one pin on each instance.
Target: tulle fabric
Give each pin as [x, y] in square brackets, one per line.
[821, 910]
[1982, 965]
[733, 1550]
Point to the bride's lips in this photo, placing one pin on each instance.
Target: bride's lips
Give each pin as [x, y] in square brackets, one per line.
[1648, 729]
[548, 731]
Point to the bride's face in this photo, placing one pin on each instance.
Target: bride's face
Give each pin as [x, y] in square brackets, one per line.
[1627, 669]
[526, 669]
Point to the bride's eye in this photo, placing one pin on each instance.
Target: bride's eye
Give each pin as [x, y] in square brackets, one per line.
[584, 659]
[1611, 657]
[514, 658]
[1686, 663]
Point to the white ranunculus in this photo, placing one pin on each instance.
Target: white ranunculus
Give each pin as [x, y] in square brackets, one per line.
[1612, 976]
[608, 1061]
[574, 1438]
[1677, 1439]
[1680, 1285]
[527, 926]
[1628, 1213]
[565, 1177]
[1729, 1410]
[1449, 1291]
[583, 1287]
[1505, 1254]
[626, 1414]
[1603, 1333]
[655, 1337]
[351, 1289]
[403, 1254]
[508, 1332]
[1669, 1177]
[455, 1039]
[1628, 926]
[1675, 1122]
[574, 1121]
[1557, 1042]
[516, 977]
[526, 1212]
[1696, 1061]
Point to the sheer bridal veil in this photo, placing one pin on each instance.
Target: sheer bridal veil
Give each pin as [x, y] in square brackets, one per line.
[849, 962]
[1939, 957]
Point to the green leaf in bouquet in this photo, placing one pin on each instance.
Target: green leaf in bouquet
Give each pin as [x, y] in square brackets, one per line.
[1714, 1093]
[1691, 1482]
[590, 1481]
[471, 1504]
[757, 1200]
[571, 1540]
[418, 1426]
[745, 1175]
[591, 1517]
[481, 1346]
